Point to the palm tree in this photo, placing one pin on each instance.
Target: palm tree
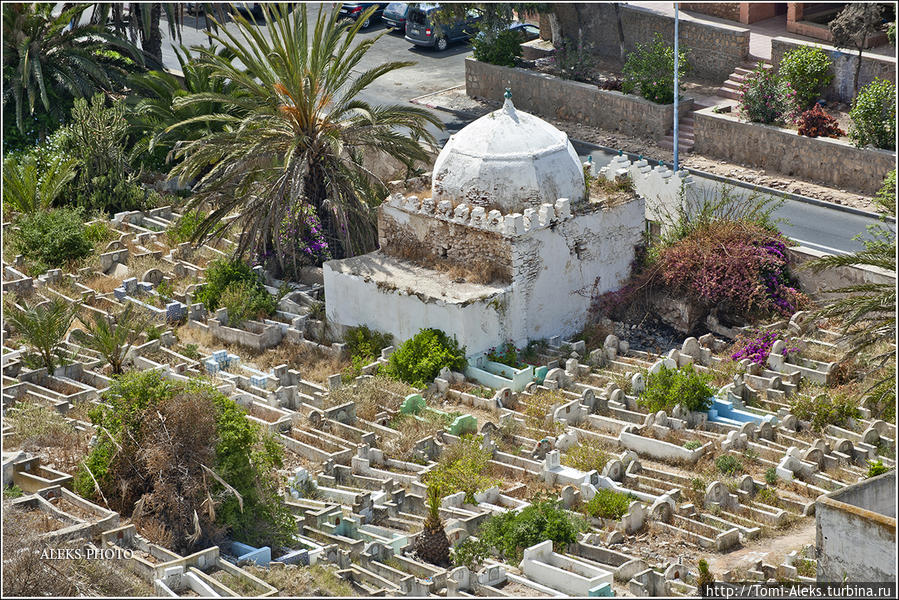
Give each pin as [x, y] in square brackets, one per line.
[432, 544]
[48, 60]
[868, 310]
[112, 339]
[27, 191]
[152, 111]
[299, 135]
[44, 326]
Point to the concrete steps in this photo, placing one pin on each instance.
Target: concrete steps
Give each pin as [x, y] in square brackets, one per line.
[684, 132]
[731, 87]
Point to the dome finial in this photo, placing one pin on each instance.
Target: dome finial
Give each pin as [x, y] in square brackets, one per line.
[508, 107]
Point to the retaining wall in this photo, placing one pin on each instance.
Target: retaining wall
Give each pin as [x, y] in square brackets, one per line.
[834, 162]
[840, 88]
[553, 97]
[714, 49]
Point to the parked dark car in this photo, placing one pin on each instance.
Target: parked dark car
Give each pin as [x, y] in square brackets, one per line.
[354, 10]
[526, 31]
[395, 15]
[421, 31]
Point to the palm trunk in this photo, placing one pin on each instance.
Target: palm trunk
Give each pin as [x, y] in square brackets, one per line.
[152, 45]
[617, 7]
[555, 27]
[858, 67]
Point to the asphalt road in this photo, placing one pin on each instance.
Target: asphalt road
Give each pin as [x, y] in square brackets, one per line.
[819, 227]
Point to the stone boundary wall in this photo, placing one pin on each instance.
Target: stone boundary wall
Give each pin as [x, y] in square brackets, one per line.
[553, 97]
[722, 10]
[714, 48]
[843, 69]
[834, 162]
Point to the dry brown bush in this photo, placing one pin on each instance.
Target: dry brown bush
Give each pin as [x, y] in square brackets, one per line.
[372, 396]
[303, 582]
[312, 363]
[25, 573]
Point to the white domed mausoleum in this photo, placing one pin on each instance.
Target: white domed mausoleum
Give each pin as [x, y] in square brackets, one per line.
[504, 247]
[510, 161]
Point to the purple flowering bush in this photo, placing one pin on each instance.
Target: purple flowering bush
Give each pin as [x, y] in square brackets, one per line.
[738, 266]
[301, 236]
[756, 346]
[766, 97]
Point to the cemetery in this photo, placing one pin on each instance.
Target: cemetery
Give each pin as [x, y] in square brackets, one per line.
[519, 374]
[743, 469]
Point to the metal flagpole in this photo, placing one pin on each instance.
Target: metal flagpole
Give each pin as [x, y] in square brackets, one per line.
[676, 88]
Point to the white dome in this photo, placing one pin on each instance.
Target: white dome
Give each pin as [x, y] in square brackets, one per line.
[509, 160]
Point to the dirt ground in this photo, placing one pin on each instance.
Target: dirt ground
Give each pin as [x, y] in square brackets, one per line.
[455, 99]
[659, 548]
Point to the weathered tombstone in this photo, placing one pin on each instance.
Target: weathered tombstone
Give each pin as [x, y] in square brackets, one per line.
[613, 470]
[638, 384]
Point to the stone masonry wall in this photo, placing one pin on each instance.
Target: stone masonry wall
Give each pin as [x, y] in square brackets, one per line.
[834, 162]
[722, 10]
[430, 242]
[840, 89]
[550, 96]
[714, 49]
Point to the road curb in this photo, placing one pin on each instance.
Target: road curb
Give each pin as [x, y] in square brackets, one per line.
[735, 182]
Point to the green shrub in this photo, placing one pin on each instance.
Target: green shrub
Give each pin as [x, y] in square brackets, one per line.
[876, 467]
[509, 533]
[99, 232]
[108, 193]
[364, 346]
[470, 553]
[650, 70]
[156, 435]
[766, 98]
[873, 116]
[806, 567]
[771, 476]
[586, 456]
[692, 444]
[365, 343]
[728, 464]
[705, 579]
[822, 410]
[768, 496]
[807, 69]
[419, 359]
[608, 504]
[51, 239]
[97, 137]
[246, 294]
[184, 228]
[575, 60]
[461, 469]
[501, 48]
[506, 354]
[248, 300]
[670, 387]
[12, 492]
